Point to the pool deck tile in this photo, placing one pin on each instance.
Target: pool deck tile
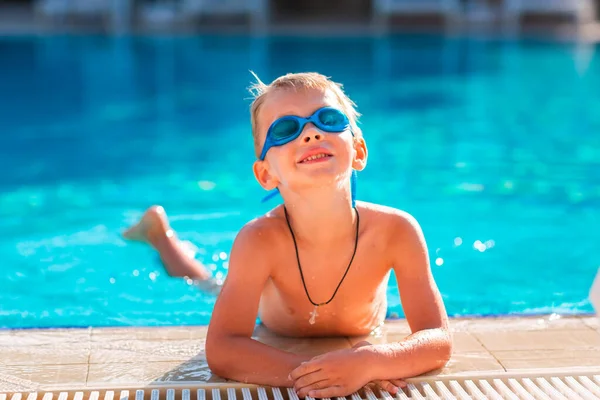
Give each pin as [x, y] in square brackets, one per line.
[539, 340]
[92, 357]
[526, 359]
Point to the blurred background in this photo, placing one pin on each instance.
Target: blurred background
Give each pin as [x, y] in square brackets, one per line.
[482, 120]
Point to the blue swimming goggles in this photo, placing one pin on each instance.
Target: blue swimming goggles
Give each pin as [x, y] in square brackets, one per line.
[288, 128]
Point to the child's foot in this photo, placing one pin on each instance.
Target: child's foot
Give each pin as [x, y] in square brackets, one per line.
[153, 224]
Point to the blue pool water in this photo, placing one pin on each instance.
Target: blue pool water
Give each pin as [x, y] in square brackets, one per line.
[492, 144]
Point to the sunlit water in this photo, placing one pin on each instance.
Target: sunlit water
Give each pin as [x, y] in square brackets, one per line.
[492, 144]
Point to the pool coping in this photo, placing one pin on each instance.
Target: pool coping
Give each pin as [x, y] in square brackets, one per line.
[23, 20]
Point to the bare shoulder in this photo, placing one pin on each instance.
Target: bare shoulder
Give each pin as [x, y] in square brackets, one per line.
[403, 239]
[262, 232]
[256, 250]
[389, 219]
[397, 230]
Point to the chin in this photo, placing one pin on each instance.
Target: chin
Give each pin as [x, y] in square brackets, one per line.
[321, 178]
[327, 183]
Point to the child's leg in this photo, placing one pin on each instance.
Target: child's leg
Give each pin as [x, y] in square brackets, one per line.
[153, 228]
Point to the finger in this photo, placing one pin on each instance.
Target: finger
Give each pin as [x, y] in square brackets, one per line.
[387, 385]
[398, 383]
[304, 369]
[303, 391]
[310, 379]
[361, 344]
[332, 391]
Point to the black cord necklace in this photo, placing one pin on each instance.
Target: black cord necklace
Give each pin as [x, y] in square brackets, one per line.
[313, 314]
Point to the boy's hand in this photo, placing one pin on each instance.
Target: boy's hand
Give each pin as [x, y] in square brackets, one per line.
[338, 373]
[391, 386]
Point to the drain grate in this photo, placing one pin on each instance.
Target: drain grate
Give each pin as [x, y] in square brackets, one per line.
[501, 386]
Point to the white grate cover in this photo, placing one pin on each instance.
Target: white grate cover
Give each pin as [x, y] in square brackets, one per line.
[500, 386]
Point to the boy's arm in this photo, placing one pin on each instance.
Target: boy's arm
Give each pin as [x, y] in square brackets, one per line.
[429, 347]
[230, 350]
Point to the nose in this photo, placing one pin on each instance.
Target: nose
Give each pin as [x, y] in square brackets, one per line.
[311, 133]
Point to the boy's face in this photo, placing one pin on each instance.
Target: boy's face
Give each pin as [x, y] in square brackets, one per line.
[287, 165]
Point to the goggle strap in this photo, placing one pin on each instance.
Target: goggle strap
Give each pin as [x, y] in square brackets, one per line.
[353, 188]
[268, 197]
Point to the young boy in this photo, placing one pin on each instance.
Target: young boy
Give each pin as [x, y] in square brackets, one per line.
[319, 264]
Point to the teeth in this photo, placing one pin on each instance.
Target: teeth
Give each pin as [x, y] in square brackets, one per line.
[315, 157]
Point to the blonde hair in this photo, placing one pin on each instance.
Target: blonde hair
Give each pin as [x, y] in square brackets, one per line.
[299, 81]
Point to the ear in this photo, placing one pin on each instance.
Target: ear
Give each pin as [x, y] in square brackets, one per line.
[263, 175]
[360, 154]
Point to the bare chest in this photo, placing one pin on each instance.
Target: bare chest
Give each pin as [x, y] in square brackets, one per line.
[342, 295]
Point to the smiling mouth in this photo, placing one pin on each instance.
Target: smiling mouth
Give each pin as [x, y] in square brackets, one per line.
[316, 157]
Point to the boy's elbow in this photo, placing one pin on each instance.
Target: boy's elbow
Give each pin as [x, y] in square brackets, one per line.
[217, 367]
[439, 350]
[215, 363]
[216, 357]
[445, 349]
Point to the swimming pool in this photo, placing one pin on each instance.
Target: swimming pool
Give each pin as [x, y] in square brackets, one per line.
[492, 144]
